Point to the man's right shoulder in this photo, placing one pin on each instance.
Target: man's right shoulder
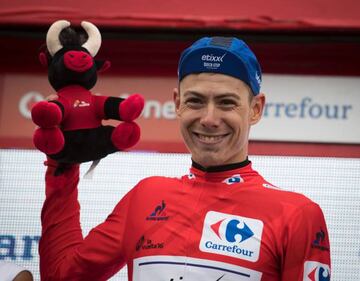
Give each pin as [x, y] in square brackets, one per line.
[158, 180]
[154, 186]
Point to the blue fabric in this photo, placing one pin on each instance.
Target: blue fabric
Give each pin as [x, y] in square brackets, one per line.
[225, 55]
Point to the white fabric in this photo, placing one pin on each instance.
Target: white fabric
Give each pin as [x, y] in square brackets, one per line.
[8, 271]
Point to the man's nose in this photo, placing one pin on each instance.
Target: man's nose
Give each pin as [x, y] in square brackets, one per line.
[210, 116]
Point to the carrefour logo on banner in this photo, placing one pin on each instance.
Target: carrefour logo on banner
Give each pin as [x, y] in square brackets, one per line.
[316, 271]
[230, 235]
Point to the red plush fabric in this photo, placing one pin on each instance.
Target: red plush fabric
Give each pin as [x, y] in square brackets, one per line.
[131, 108]
[78, 61]
[125, 135]
[49, 141]
[46, 114]
[82, 109]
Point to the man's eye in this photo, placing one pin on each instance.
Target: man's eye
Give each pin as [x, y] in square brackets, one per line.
[193, 101]
[228, 103]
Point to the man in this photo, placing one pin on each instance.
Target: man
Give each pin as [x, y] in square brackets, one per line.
[222, 221]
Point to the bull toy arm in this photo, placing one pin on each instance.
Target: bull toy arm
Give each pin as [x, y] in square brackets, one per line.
[120, 109]
[47, 114]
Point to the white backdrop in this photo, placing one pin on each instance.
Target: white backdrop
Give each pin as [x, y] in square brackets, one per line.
[334, 183]
[310, 108]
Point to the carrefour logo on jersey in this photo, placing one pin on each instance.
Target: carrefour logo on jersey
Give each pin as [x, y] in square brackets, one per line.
[230, 235]
[316, 271]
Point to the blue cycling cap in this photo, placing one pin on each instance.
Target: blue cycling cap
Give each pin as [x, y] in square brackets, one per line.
[225, 55]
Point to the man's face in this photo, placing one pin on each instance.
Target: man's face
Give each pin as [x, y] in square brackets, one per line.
[215, 113]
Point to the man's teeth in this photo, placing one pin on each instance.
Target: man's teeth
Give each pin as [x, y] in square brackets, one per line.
[209, 138]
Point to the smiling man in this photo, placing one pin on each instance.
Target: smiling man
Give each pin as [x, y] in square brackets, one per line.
[221, 221]
[216, 112]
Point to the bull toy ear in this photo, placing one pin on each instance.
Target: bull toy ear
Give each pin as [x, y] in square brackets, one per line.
[102, 66]
[43, 59]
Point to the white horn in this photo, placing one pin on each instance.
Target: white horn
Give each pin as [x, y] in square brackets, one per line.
[94, 38]
[52, 37]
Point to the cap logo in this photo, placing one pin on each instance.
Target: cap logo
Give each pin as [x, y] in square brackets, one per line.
[212, 58]
[211, 61]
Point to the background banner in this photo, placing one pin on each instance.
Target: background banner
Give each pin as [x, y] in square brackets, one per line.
[299, 108]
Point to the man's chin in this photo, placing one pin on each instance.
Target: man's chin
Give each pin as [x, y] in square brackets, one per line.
[208, 159]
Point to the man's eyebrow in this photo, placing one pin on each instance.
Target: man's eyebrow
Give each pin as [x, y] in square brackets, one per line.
[192, 93]
[220, 96]
[228, 95]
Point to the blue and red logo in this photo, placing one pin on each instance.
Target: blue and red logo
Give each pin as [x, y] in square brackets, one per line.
[232, 230]
[233, 179]
[231, 235]
[316, 271]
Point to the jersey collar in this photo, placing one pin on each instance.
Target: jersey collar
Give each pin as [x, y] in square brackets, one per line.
[221, 168]
[231, 173]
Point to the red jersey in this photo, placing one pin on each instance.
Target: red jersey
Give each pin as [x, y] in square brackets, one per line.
[219, 225]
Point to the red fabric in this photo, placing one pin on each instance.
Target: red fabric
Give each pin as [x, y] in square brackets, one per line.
[41, 139]
[78, 61]
[131, 108]
[46, 114]
[229, 14]
[160, 58]
[169, 217]
[125, 135]
[82, 109]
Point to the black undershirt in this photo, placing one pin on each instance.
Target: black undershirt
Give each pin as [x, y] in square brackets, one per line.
[221, 168]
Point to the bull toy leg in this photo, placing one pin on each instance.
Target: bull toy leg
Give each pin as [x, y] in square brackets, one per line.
[125, 135]
[49, 141]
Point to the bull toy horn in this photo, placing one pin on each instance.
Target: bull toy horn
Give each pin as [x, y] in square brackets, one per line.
[52, 37]
[94, 38]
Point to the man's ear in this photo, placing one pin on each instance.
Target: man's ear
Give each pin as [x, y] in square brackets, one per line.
[257, 106]
[176, 97]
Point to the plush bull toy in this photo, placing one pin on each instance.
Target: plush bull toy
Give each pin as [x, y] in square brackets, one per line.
[70, 127]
